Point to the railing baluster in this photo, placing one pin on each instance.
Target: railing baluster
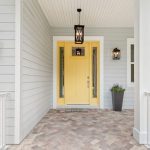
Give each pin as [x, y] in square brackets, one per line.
[3, 98]
[148, 118]
[1, 123]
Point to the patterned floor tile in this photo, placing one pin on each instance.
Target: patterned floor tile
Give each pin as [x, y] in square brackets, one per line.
[82, 130]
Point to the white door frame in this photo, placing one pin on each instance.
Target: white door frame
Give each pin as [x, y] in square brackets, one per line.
[71, 38]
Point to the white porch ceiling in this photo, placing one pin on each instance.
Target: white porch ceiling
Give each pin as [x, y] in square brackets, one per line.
[95, 13]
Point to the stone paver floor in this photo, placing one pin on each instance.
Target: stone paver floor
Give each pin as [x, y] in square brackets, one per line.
[83, 130]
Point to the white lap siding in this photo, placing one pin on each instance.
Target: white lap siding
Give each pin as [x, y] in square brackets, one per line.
[7, 62]
[36, 66]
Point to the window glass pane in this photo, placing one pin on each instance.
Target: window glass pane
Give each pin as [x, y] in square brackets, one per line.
[132, 72]
[61, 84]
[132, 53]
[94, 72]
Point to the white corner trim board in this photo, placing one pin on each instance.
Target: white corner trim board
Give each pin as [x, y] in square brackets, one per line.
[71, 38]
[17, 70]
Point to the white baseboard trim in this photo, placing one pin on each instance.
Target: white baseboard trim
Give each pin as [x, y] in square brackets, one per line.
[147, 146]
[141, 137]
[136, 134]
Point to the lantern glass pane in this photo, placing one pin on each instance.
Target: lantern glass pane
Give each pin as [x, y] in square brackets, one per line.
[79, 34]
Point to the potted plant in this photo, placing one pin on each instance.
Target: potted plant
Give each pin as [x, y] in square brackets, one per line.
[117, 97]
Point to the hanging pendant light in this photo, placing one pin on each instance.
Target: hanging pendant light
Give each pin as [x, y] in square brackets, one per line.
[79, 31]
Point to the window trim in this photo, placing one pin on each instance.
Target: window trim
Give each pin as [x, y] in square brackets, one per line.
[130, 41]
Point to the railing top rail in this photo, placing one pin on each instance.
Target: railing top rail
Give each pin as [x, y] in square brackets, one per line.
[4, 93]
[4, 96]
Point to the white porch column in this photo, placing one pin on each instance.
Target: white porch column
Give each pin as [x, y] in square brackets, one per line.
[142, 68]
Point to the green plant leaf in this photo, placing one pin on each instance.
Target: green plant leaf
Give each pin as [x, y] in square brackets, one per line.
[117, 88]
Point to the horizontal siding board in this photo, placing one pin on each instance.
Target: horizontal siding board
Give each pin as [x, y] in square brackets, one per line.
[36, 60]
[7, 18]
[10, 122]
[7, 52]
[29, 118]
[6, 87]
[30, 14]
[7, 27]
[10, 95]
[7, 9]
[10, 104]
[7, 62]
[27, 94]
[36, 51]
[29, 27]
[10, 113]
[7, 2]
[36, 66]
[31, 86]
[7, 78]
[41, 71]
[35, 102]
[36, 97]
[35, 44]
[10, 139]
[7, 71]
[31, 121]
[10, 131]
[7, 44]
[7, 35]
[27, 78]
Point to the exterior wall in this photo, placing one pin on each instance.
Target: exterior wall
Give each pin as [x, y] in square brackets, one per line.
[142, 36]
[36, 66]
[7, 62]
[114, 71]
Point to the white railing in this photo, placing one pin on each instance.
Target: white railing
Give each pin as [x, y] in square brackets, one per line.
[3, 98]
[147, 94]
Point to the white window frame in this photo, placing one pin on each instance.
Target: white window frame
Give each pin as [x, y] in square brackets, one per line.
[130, 41]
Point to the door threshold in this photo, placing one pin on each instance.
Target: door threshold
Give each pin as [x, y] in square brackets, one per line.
[78, 106]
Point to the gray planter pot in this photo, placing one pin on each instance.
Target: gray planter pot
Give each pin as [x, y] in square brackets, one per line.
[117, 100]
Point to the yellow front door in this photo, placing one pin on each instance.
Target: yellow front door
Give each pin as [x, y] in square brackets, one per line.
[77, 73]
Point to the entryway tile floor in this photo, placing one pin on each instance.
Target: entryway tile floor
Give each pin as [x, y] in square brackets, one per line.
[82, 130]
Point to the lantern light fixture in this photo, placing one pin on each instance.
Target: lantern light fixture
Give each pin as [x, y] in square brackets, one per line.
[79, 30]
[116, 54]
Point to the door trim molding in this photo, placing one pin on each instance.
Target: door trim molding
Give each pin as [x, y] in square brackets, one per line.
[71, 38]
